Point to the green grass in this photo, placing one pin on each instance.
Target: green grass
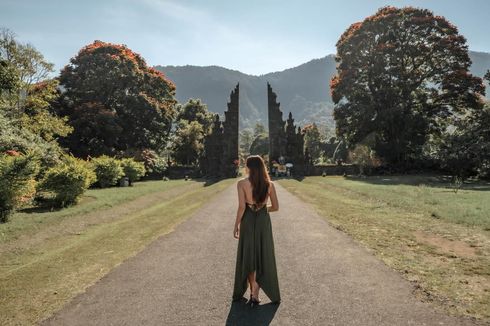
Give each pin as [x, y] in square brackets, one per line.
[436, 238]
[46, 258]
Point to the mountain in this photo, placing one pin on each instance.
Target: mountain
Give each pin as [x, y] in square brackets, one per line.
[303, 90]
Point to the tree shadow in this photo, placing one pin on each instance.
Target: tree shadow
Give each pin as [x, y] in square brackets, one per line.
[40, 209]
[241, 314]
[434, 181]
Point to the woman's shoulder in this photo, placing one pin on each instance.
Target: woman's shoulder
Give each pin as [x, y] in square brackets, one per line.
[242, 181]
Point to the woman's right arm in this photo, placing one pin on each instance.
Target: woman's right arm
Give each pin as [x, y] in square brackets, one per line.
[240, 210]
[273, 196]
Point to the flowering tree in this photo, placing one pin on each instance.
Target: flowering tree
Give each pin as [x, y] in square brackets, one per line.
[402, 73]
[136, 101]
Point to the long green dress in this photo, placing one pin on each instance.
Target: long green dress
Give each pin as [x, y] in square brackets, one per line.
[256, 252]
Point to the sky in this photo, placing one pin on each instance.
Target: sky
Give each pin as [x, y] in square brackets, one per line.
[252, 36]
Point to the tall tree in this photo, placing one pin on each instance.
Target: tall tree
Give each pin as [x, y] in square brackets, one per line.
[26, 65]
[188, 142]
[313, 140]
[195, 110]
[27, 97]
[246, 139]
[402, 72]
[114, 80]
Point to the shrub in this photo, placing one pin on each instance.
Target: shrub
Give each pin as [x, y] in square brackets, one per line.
[17, 184]
[154, 163]
[108, 170]
[132, 169]
[68, 181]
[364, 157]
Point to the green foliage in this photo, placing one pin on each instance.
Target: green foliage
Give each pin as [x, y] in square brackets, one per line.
[340, 151]
[465, 151]
[115, 101]
[259, 129]
[17, 184]
[107, 169]
[246, 138]
[188, 142]
[402, 74]
[9, 79]
[37, 115]
[24, 141]
[364, 157]
[153, 163]
[195, 110]
[26, 63]
[132, 169]
[27, 119]
[260, 145]
[68, 181]
[313, 141]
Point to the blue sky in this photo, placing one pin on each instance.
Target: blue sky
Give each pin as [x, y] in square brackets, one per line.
[252, 36]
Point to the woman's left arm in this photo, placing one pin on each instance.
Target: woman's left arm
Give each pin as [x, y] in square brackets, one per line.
[240, 211]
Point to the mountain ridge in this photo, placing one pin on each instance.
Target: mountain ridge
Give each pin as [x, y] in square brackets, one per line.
[302, 90]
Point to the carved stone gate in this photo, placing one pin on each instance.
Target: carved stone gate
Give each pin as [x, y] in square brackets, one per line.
[286, 141]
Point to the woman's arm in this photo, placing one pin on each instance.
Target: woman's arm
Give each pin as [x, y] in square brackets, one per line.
[240, 211]
[273, 196]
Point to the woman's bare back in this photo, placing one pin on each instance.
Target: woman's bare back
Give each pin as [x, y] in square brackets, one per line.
[246, 187]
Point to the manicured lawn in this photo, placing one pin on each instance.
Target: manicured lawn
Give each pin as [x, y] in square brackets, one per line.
[46, 258]
[436, 238]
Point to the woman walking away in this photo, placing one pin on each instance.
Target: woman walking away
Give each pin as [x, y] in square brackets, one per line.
[255, 261]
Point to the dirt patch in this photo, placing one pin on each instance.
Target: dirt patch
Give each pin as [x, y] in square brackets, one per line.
[456, 247]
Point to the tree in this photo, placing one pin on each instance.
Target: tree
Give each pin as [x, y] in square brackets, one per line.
[246, 139]
[260, 145]
[118, 82]
[402, 73]
[259, 129]
[195, 110]
[188, 142]
[313, 141]
[8, 78]
[39, 113]
[28, 122]
[27, 67]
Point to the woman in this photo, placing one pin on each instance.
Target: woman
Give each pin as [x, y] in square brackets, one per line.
[255, 255]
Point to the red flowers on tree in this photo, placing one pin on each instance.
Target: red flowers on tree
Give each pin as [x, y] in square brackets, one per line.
[402, 72]
[105, 77]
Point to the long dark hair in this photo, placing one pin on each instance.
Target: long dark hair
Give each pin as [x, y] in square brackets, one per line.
[259, 178]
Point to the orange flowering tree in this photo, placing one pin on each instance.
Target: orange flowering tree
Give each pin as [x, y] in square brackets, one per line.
[402, 74]
[115, 101]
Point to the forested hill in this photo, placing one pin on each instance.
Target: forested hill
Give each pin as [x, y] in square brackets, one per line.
[303, 90]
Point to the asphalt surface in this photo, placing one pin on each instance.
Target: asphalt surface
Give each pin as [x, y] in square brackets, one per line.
[186, 278]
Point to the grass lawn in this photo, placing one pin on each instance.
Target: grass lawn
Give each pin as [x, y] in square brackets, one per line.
[46, 258]
[438, 239]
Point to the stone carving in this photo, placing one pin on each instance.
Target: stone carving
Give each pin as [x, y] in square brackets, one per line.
[285, 139]
[220, 158]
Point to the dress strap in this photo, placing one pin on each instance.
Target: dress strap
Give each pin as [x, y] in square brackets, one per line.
[256, 207]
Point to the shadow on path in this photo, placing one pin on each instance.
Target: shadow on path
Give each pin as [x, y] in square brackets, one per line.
[241, 314]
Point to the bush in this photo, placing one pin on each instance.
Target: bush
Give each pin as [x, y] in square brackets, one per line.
[108, 170]
[68, 181]
[17, 184]
[364, 157]
[132, 169]
[154, 163]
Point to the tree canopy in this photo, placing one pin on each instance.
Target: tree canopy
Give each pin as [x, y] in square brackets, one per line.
[402, 74]
[110, 83]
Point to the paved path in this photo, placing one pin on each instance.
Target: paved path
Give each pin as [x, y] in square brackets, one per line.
[186, 278]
